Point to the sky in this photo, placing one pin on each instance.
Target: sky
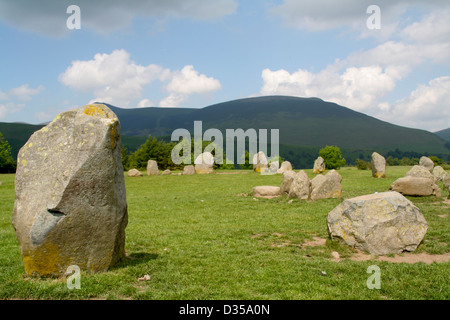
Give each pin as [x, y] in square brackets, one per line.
[387, 59]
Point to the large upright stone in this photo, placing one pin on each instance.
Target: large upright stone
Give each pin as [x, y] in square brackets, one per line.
[274, 166]
[285, 166]
[446, 183]
[301, 186]
[439, 173]
[427, 163]
[319, 166]
[288, 178]
[70, 206]
[326, 186]
[260, 162]
[381, 223]
[152, 168]
[204, 163]
[420, 172]
[378, 165]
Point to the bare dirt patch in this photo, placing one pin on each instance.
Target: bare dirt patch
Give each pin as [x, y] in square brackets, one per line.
[404, 258]
[315, 242]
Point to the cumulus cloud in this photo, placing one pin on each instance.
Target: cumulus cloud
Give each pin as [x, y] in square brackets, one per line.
[356, 88]
[116, 79]
[185, 82]
[426, 106]
[49, 17]
[12, 100]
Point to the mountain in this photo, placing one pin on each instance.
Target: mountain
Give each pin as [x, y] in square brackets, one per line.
[305, 125]
[444, 134]
[306, 122]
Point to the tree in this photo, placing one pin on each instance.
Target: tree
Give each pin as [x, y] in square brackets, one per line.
[332, 157]
[153, 149]
[7, 163]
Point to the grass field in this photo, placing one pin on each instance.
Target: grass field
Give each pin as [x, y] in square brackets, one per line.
[197, 239]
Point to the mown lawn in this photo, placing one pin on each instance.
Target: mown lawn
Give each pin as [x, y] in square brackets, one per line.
[198, 239]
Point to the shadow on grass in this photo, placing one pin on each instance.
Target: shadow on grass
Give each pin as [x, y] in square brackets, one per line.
[135, 258]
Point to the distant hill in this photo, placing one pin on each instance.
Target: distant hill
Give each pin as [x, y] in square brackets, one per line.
[305, 124]
[444, 134]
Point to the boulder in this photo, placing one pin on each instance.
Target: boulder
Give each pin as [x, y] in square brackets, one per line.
[446, 183]
[204, 163]
[378, 165]
[381, 223]
[301, 186]
[134, 173]
[427, 163]
[439, 173]
[416, 186]
[189, 170]
[260, 162]
[420, 172]
[288, 177]
[319, 166]
[75, 211]
[274, 166]
[285, 166]
[326, 186]
[152, 168]
[166, 172]
[266, 191]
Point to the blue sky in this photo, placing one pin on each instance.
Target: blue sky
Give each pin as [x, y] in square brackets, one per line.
[194, 53]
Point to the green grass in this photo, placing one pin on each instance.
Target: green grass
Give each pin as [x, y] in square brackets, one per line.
[198, 240]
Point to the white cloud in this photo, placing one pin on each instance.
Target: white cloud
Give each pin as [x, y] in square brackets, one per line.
[428, 106]
[356, 88]
[14, 98]
[115, 79]
[145, 103]
[112, 77]
[49, 17]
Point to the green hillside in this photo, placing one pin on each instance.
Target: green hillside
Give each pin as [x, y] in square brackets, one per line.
[305, 126]
[444, 134]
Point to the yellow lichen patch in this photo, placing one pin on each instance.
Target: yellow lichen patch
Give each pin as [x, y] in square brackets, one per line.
[113, 135]
[44, 129]
[43, 261]
[94, 110]
[24, 162]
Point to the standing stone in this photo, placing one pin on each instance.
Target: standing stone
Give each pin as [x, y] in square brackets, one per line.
[75, 211]
[416, 186]
[427, 163]
[301, 186]
[189, 170]
[319, 166]
[204, 163]
[378, 165]
[420, 172]
[326, 186]
[260, 162]
[381, 223]
[274, 166]
[446, 183]
[288, 177]
[152, 168]
[134, 173]
[439, 173]
[285, 166]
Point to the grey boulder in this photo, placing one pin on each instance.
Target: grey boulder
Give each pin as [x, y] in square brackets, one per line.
[75, 211]
[381, 223]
